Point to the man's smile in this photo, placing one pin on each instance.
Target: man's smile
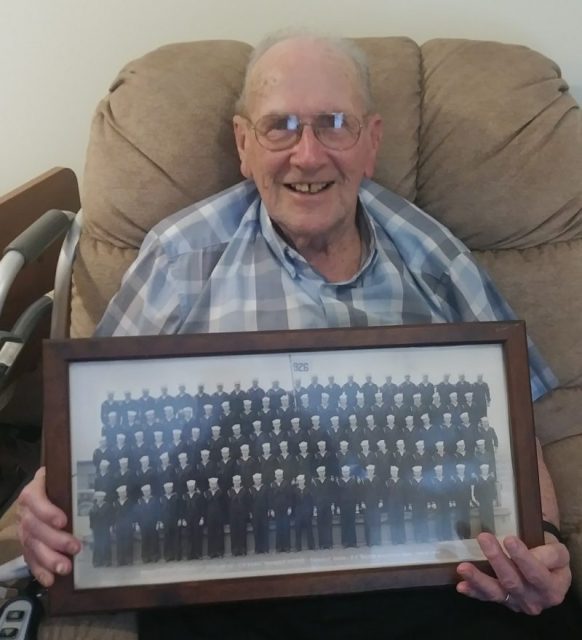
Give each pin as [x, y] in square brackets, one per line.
[307, 187]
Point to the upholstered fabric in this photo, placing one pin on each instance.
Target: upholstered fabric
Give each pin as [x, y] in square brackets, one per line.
[482, 135]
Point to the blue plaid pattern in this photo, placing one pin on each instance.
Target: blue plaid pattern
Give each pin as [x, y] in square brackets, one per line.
[219, 265]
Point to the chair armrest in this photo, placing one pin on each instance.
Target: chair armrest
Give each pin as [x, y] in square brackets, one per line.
[30, 244]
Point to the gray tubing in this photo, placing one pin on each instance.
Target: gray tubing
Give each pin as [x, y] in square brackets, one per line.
[51, 226]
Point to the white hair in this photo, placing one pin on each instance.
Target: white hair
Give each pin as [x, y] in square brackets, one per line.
[342, 46]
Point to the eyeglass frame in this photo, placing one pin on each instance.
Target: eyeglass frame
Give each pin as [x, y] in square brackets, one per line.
[302, 124]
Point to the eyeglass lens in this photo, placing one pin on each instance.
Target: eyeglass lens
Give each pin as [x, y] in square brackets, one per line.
[334, 130]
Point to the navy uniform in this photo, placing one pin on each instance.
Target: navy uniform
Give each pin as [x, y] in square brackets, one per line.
[280, 502]
[238, 514]
[193, 514]
[147, 515]
[100, 521]
[347, 500]
[323, 498]
[215, 518]
[303, 513]
[260, 517]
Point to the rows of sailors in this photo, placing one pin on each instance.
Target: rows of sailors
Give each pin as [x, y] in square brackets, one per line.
[296, 505]
[296, 452]
[301, 419]
[328, 400]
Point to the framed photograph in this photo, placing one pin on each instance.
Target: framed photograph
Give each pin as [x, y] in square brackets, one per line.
[219, 467]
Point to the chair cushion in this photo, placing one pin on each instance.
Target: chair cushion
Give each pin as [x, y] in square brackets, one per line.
[482, 135]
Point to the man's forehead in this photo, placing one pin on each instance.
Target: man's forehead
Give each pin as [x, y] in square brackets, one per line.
[303, 75]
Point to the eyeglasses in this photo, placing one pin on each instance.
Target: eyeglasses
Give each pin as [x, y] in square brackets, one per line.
[336, 131]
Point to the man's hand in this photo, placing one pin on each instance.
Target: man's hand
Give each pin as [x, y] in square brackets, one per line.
[40, 531]
[526, 580]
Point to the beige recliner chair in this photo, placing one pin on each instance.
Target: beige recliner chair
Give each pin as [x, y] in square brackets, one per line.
[483, 136]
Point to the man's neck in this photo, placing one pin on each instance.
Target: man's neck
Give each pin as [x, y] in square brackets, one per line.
[336, 256]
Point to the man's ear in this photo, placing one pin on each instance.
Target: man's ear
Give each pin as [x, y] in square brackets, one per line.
[374, 131]
[241, 136]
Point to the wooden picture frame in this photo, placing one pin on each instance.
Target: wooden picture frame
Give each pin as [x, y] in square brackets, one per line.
[79, 373]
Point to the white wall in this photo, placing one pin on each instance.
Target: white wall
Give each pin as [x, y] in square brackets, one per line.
[57, 57]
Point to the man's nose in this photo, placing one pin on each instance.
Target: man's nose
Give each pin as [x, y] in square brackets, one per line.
[308, 152]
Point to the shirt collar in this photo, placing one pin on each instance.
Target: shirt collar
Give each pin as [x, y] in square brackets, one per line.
[296, 265]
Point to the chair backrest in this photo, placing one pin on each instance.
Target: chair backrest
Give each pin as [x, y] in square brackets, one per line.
[483, 136]
[54, 189]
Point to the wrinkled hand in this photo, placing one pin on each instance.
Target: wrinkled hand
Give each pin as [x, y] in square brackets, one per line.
[535, 579]
[46, 547]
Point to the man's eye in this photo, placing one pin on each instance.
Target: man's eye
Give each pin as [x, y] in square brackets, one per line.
[331, 120]
[282, 123]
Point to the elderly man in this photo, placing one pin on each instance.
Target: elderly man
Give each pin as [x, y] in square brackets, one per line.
[323, 246]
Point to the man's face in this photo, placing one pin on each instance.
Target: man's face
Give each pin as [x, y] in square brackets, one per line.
[306, 78]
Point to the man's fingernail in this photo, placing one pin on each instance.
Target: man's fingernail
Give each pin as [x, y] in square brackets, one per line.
[73, 548]
[487, 544]
[61, 569]
[512, 545]
[43, 578]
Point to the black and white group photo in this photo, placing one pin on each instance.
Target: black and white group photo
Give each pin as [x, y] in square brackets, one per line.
[231, 466]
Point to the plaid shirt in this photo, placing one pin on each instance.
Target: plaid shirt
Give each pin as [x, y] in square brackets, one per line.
[219, 265]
